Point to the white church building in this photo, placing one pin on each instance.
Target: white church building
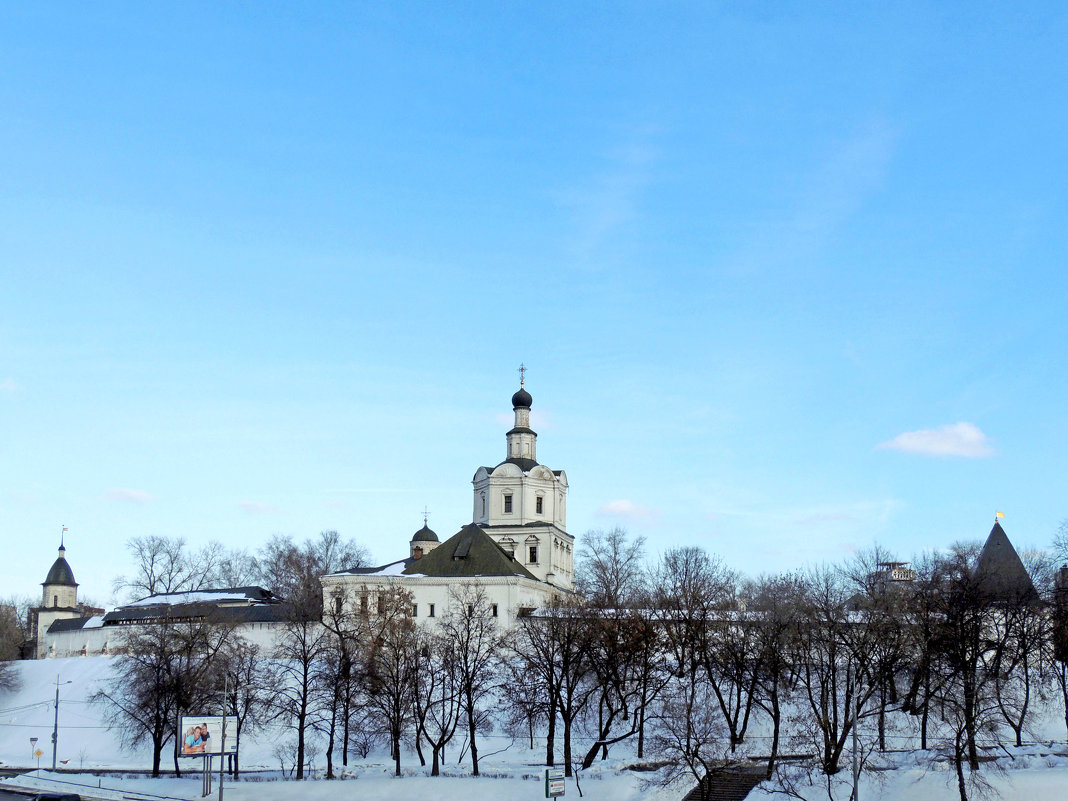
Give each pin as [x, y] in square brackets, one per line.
[516, 549]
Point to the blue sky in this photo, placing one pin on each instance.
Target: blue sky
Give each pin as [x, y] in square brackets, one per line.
[789, 279]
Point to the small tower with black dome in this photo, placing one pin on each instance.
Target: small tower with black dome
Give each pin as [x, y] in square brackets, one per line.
[59, 601]
[423, 541]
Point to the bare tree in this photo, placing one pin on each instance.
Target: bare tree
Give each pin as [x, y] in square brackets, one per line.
[166, 668]
[620, 644]
[970, 648]
[248, 692]
[611, 568]
[833, 655]
[776, 601]
[554, 649]
[164, 565]
[437, 695]
[13, 635]
[689, 734]
[1060, 542]
[471, 623]
[293, 571]
[388, 664]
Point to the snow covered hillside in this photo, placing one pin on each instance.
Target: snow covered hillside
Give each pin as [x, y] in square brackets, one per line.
[1036, 772]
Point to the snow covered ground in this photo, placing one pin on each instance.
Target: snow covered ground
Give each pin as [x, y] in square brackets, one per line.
[1036, 772]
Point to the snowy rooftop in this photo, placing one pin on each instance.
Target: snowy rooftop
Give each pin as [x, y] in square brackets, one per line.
[246, 595]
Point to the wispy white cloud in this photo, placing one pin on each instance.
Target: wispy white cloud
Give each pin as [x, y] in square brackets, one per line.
[257, 508]
[9, 386]
[125, 495]
[604, 203]
[334, 504]
[834, 192]
[959, 439]
[628, 510]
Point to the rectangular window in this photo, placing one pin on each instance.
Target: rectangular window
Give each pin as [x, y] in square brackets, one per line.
[538, 504]
[532, 552]
[363, 603]
[415, 610]
[507, 504]
[431, 612]
[493, 610]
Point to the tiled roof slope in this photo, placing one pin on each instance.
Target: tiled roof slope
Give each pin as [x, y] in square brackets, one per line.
[468, 552]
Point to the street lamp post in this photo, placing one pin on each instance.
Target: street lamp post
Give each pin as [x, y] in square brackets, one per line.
[55, 724]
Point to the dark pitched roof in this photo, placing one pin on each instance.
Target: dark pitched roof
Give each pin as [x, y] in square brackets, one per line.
[69, 624]
[251, 594]
[60, 573]
[257, 613]
[999, 571]
[468, 552]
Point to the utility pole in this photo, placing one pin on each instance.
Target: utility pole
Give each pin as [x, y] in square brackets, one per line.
[856, 747]
[55, 724]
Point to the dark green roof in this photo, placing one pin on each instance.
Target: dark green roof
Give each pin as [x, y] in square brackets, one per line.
[999, 571]
[60, 573]
[468, 552]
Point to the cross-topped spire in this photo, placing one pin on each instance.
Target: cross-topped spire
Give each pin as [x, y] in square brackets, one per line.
[522, 374]
[426, 515]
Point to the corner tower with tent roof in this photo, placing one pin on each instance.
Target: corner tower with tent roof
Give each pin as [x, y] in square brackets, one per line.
[522, 504]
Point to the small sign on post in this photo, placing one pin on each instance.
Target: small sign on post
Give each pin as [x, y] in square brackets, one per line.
[554, 782]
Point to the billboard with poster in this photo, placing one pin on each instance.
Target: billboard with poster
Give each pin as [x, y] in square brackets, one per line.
[201, 735]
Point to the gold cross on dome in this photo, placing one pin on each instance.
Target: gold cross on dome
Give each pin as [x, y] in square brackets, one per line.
[522, 373]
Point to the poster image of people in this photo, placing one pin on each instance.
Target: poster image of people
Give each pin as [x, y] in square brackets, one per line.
[200, 736]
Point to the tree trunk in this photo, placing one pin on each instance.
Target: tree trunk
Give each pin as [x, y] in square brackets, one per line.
[926, 708]
[330, 745]
[300, 741]
[550, 737]
[396, 736]
[776, 721]
[567, 746]
[345, 726]
[471, 734]
[177, 746]
[958, 761]
[236, 763]
[157, 754]
[969, 722]
[641, 727]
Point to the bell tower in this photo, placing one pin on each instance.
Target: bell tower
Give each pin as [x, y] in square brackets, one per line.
[522, 504]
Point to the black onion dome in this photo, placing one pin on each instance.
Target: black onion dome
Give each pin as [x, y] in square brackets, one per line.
[61, 574]
[521, 399]
[424, 535]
